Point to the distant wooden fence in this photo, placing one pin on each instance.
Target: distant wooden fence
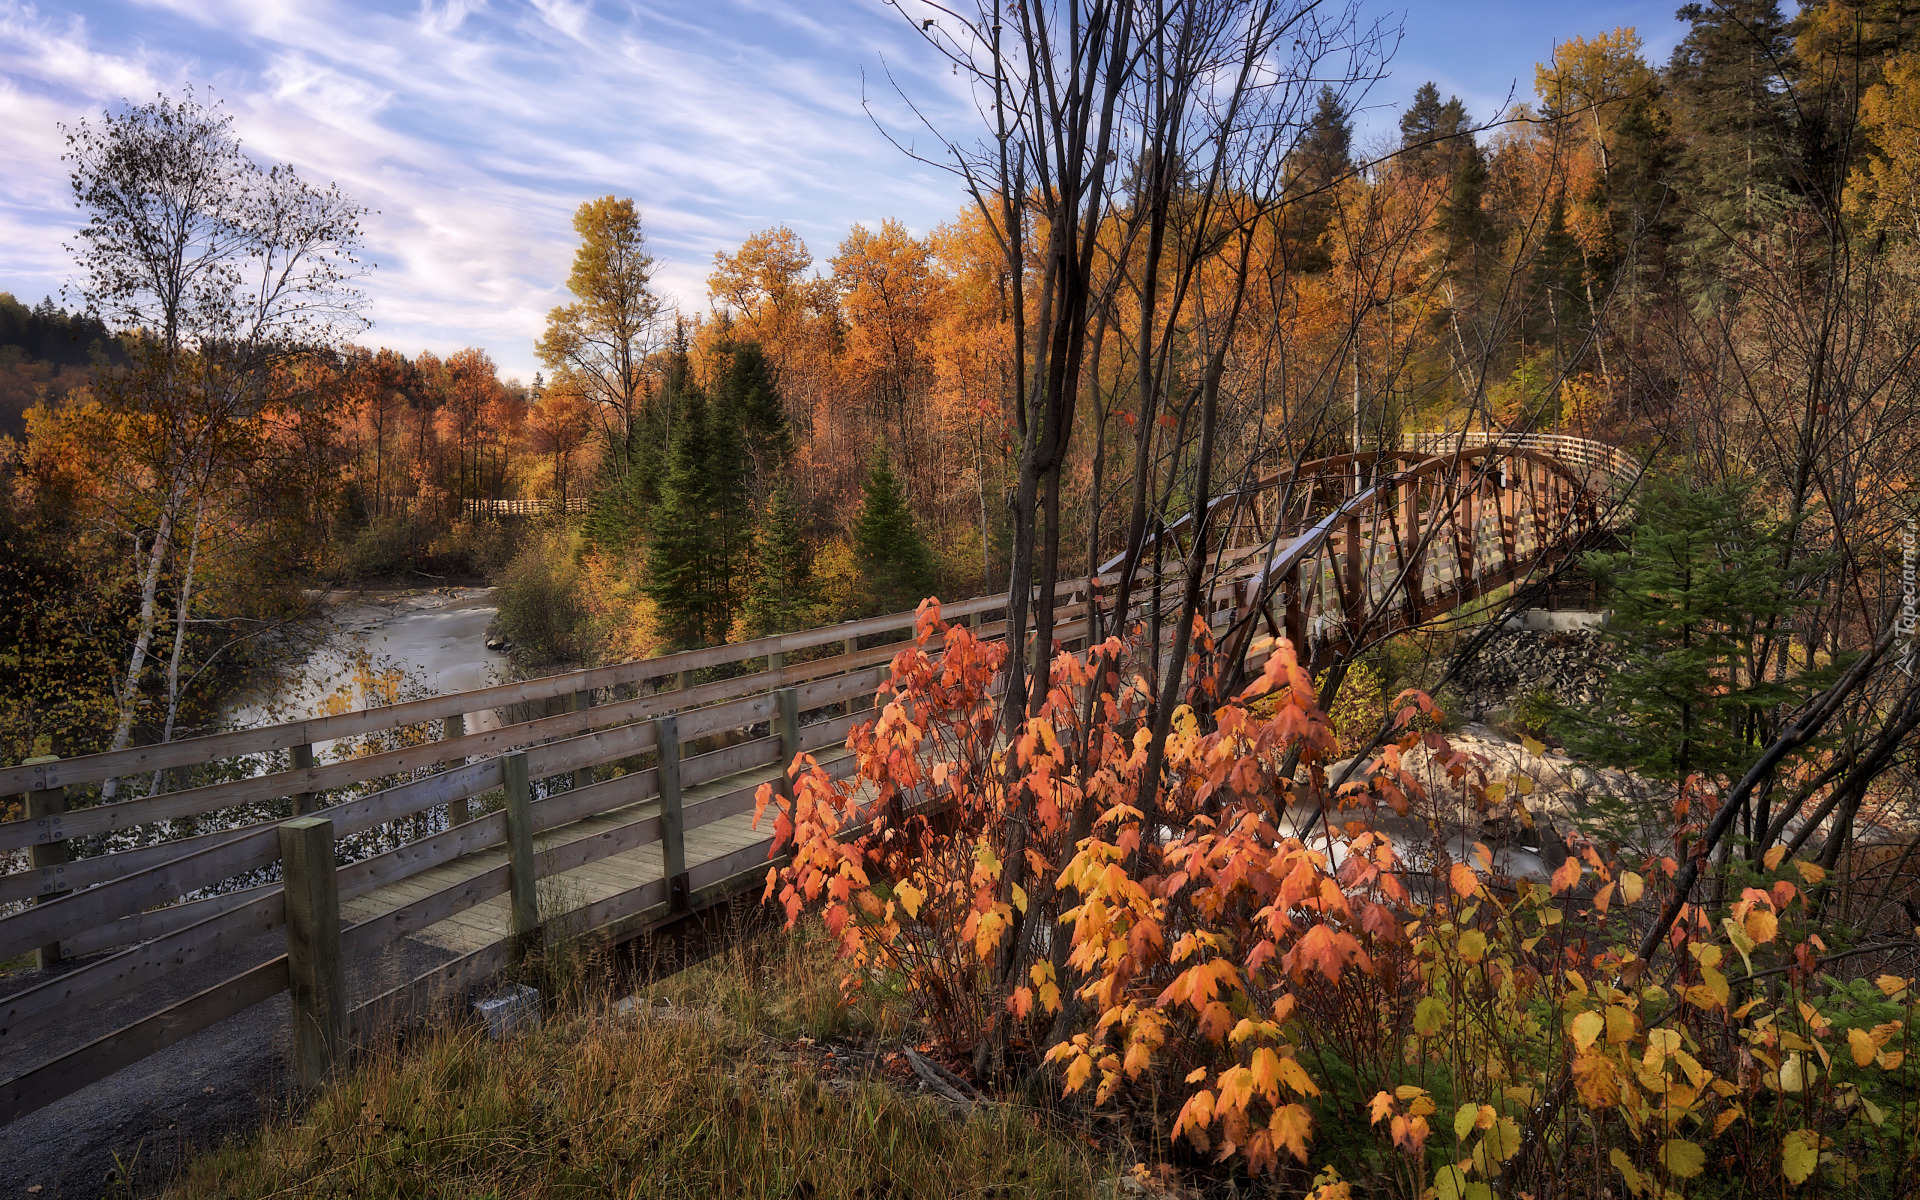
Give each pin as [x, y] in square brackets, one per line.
[525, 508]
[1338, 556]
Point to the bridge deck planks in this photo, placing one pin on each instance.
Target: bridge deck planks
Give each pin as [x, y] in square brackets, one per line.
[489, 921]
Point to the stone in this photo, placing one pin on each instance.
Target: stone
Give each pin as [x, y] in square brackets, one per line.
[513, 1009]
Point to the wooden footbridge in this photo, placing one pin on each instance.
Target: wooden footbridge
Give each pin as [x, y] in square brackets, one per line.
[611, 801]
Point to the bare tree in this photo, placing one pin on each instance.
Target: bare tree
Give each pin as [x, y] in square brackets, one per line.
[223, 271]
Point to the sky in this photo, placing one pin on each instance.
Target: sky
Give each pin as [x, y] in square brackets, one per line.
[474, 128]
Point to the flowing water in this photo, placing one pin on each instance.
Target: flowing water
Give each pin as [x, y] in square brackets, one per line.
[425, 643]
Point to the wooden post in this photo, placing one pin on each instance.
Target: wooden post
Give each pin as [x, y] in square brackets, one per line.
[49, 857]
[314, 968]
[582, 776]
[853, 702]
[454, 728]
[673, 828]
[1355, 596]
[774, 661]
[525, 898]
[303, 761]
[787, 724]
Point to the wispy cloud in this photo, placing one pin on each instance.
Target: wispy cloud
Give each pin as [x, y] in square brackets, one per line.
[476, 128]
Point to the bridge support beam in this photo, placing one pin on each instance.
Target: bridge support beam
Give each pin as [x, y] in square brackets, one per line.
[452, 729]
[582, 701]
[673, 825]
[786, 724]
[314, 968]
[49, 857]
[302, 760]
[524, 891]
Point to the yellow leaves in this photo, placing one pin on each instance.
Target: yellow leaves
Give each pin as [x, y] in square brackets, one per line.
[1500, 1142]
[1891, 986]
[988, 927]
[1810, 873]
[1472, 946]
[910, 898]
[1020, 898]
[1682, 1159]
[1430, 1016]
[1860, 1042]
[1081, 1069]
[1621, 1025]
[1470, 1117]
[1295, 1078]
[1266, 1073]
[1711, 993]
[1450, 1183]
[1533, 746]
[1631, 887]
[1586, 1029]
[1291, 1125]
[1195, 1115]
[1797, 1073]
[1236, 1089]
[1799, 1155]
[1596, 1079]
[1773, 857]
[1636, 1182]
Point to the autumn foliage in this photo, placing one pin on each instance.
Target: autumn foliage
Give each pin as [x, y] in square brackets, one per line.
[1317, 992]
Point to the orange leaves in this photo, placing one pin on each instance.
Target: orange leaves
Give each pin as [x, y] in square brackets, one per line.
[1328, 951]
[1465, 882]
[1567, 877]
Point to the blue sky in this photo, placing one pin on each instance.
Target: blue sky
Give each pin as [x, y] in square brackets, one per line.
[475, 127]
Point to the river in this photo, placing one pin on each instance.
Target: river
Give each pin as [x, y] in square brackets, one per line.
[435, 639]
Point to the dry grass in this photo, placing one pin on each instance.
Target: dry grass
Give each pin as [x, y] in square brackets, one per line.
[701, 1098]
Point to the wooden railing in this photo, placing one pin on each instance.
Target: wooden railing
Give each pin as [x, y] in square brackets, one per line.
[1584, 453]
[525, 508]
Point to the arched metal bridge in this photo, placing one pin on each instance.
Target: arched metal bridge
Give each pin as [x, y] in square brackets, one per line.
[1355, 547]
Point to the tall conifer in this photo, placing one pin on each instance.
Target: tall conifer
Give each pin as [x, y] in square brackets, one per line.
[896, 568]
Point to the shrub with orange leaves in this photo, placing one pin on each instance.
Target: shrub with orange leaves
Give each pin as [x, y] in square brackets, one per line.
[1281, 974]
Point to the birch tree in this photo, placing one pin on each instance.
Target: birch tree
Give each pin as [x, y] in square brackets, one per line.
[226, 271]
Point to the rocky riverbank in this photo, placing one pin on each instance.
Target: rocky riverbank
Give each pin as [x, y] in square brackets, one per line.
[1572, 667]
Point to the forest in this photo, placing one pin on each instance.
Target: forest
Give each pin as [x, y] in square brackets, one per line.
[1174, 269]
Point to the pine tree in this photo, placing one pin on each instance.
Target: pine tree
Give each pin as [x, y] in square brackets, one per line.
[1693, 596]
[781, 596]
[1725, 81]
[746, 397]
[697, 556]
[896, 568]
[1323, 157]
[1433, 134]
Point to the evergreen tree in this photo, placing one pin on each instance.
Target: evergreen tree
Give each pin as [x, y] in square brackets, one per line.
[896, 568]
[1694, 595]
[1324, 156]
[781, 596]
[1433, 134]
[1725, 79]
[746, 397]
[697, 556]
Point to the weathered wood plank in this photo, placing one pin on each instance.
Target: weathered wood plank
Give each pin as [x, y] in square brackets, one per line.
[41, 1086]
[25, 1013]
